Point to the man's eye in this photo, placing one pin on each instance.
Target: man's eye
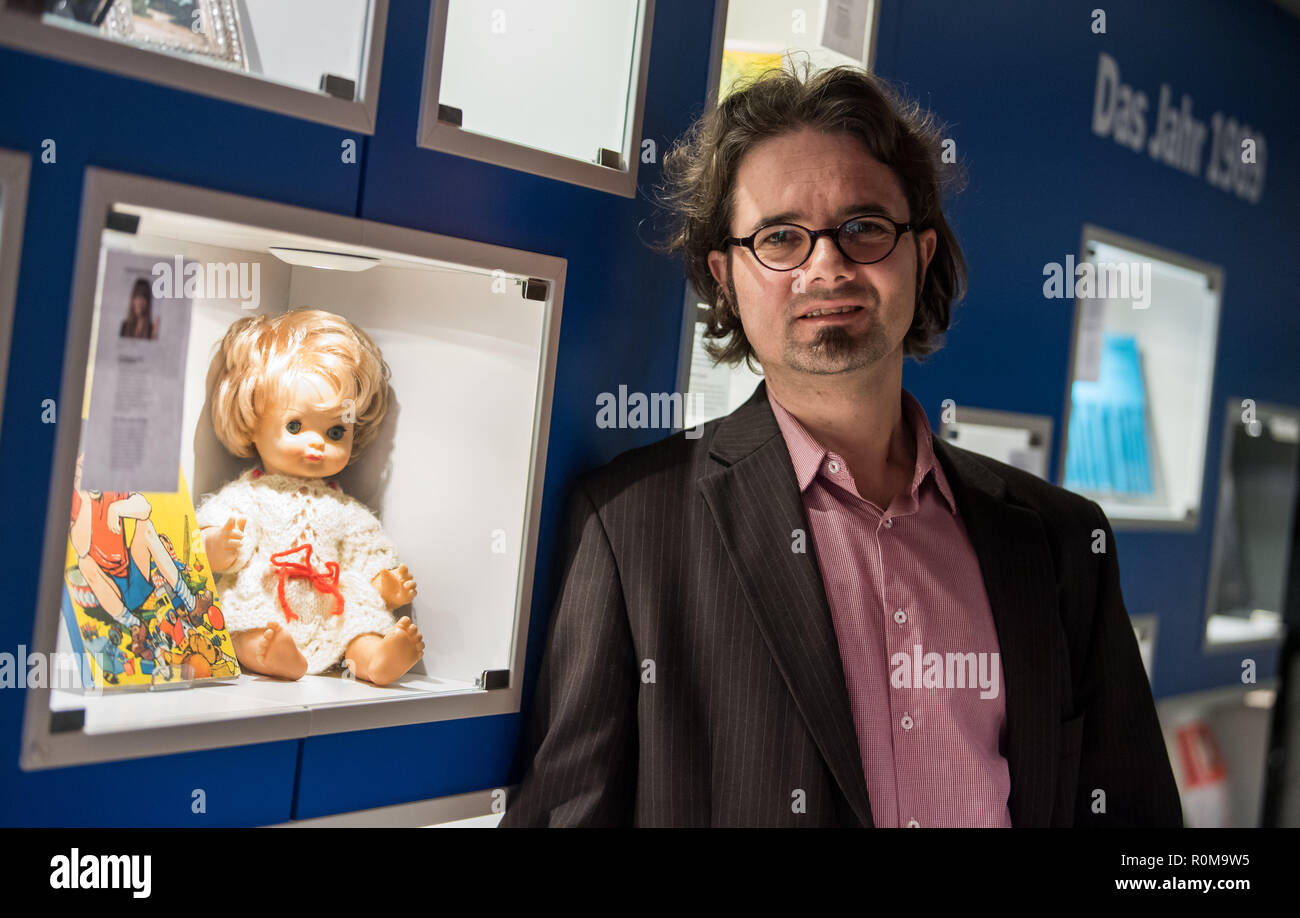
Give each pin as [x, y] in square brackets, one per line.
[293, 426]
[337, 432]
[867, 228]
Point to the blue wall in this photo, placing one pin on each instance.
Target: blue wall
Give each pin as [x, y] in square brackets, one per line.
[1016, 82]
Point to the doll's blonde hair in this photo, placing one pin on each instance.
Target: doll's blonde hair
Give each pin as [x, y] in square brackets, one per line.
[260, 358]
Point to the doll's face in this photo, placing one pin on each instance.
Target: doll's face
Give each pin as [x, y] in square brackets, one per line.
[301, 438]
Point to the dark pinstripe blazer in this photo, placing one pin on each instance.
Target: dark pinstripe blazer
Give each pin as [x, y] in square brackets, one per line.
[692, 675]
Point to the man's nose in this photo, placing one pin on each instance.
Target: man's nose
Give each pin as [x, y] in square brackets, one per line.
[826, 260]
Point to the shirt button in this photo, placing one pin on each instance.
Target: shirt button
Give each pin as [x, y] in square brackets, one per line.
[913, 824]
[833, 466]
[889, 523]
[907, 722]
[900, 616]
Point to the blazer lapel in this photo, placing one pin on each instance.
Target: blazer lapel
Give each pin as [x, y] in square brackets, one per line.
[756, 504]
[1011, 545]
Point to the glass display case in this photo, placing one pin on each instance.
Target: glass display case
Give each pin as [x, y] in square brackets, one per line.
[1020, 440]
[307, 58]
[759, 34]
[711, 390]
[454, 472]
[1254, 524]
[556, 88]
[1142, 367]
[14, 171]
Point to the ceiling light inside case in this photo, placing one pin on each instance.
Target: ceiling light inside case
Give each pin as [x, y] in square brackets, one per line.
[330, 261]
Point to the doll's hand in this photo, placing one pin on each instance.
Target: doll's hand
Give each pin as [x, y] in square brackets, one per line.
[395, 587]
[222, 545]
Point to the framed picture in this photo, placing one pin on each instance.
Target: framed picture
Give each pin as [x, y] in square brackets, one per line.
[210, 28]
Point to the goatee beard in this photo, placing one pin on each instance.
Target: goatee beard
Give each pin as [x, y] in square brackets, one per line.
[836, 350]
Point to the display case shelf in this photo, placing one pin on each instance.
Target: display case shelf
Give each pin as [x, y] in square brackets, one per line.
[458, 488]
[555, 89]
[312, 59]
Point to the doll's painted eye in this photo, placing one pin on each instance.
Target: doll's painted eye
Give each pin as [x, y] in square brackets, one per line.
[293, 426]
[337, 432]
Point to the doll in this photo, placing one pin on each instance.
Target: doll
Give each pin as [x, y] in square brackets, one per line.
[307, 576]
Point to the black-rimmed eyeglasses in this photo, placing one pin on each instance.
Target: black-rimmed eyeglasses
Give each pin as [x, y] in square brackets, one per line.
[866, 240]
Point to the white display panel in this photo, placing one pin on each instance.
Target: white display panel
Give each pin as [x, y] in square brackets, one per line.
[825, 33]
[469, 332]
[556, 88]
[1142, 369]
[14, 172]
[306, 58]
[1254, 524]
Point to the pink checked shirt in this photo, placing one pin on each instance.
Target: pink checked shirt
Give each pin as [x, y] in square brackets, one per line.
[916, 636]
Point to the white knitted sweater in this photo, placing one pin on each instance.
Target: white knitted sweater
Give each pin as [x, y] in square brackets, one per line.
[285, 512]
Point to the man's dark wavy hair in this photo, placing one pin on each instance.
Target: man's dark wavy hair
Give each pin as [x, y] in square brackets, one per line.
[699, 176]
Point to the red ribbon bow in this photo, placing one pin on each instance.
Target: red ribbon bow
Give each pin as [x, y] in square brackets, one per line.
[324, 582]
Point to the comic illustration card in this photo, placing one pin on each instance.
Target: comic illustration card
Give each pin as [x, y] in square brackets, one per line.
[139, 602]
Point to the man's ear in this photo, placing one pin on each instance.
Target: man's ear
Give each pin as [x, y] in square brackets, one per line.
[929, 244]
[927, 241]
[718, 268]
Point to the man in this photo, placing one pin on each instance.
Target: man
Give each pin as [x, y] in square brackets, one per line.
[816, 613]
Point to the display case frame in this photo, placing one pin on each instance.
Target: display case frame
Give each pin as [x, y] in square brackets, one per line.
[1231, 419]
[473, 809]
[266, 718]
[26, 32]
[1037, 425]
[435, 134]
[1120, 519]
[15, 172]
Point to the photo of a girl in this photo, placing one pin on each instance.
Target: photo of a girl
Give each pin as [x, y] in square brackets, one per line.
[139, 321]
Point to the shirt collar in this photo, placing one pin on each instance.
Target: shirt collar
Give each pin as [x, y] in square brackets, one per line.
[807, 454]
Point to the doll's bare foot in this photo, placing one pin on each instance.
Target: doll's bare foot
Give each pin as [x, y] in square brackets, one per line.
[270, 651]
[382, 660]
